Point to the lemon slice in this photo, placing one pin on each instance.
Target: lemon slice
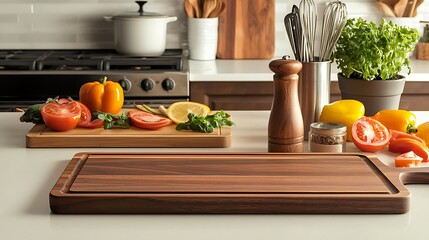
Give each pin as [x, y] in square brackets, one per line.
[178, 111]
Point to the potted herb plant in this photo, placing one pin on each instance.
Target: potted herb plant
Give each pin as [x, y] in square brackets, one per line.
[422, 49]
[370, 58]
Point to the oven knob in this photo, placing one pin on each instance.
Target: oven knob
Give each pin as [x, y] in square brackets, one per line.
[147, 84]
[168, 84]
[125, 84]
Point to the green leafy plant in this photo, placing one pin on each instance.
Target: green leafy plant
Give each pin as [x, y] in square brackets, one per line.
[206, 124]
[367, 51]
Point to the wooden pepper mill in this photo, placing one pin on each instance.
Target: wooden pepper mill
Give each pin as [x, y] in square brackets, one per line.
[285, 126]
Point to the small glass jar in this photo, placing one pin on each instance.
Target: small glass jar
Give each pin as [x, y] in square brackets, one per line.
[327, 137]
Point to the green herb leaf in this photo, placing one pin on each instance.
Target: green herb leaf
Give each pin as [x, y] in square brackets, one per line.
[114, 120]
[206, 124]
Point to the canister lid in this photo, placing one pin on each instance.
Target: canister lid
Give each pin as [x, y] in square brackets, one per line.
[328, 128]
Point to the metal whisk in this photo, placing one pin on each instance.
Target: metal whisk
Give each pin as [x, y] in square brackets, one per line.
[334, 19]
[308, 18]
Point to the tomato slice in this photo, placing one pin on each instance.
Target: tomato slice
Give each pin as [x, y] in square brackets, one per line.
[61, 117]
[402, 145]
[96, 123]
[369, 135]
[395, 134]
[85, 115]
[146, 120]
[408, 159]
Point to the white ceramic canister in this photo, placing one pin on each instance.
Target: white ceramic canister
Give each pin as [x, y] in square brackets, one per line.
[140, 33]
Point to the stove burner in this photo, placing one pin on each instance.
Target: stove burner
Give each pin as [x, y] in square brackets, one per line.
[87, 60]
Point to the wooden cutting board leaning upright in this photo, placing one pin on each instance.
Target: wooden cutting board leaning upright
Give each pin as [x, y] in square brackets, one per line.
[246, 30]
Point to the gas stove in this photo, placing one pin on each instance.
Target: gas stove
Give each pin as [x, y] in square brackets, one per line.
[32, 76]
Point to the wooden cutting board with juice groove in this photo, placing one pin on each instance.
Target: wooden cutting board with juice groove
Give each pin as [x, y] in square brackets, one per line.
[246, 30]
[232, 183]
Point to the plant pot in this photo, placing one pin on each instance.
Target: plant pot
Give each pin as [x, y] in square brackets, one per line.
[375, 95]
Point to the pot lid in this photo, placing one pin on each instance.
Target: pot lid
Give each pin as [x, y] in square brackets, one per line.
[139, 14]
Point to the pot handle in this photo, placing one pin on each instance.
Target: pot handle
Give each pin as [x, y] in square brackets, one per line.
[171, 19]
[141, 3]
[108, 18]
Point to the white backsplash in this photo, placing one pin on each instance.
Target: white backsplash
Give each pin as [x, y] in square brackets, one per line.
[79, 24]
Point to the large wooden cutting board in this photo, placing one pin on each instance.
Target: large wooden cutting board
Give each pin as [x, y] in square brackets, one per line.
[246, 30]
[41, 136]
[232, 183]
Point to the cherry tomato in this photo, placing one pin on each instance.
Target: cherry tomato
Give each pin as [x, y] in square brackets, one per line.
[146, 120]
[96, 123]
[61, 117]
[369, 135]
[402, 145]
[408, 159]
[395, 134]
[85, 115]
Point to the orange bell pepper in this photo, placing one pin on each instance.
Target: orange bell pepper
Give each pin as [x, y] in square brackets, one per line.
[403, 145]
[423, 132]
[400, 120]
[105, 96]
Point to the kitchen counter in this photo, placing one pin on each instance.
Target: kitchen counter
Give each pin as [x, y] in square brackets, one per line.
[257, 70]
[27, 176]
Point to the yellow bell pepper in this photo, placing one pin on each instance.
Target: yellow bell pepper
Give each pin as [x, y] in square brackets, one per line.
[105, 96]
[400, 120]
[343, 111]
[423, 132]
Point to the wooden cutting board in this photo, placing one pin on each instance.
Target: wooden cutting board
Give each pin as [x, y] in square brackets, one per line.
[246, 30]
[41, 136]
[232, 183]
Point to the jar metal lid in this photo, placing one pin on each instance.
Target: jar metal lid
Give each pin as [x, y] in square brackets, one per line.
[328, 128]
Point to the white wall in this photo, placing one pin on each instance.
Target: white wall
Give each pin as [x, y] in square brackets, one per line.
[79, 24]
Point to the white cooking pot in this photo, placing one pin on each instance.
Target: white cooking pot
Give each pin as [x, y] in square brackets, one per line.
[140, 33]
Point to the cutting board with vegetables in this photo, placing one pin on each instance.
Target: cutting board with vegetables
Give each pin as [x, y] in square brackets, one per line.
[246, 30]
[232, 183]
[41, 136]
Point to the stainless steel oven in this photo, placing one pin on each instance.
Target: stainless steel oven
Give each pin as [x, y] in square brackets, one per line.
[32, 76]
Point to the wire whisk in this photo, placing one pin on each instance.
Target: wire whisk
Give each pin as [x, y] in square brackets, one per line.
[334, 20]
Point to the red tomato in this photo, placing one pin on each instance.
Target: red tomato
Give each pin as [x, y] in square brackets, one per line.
[402, 145]
[146, 120]
[369, 135]
[61, 117]
[394, 134]
[85, 115]
[408, 159]
[97, 123]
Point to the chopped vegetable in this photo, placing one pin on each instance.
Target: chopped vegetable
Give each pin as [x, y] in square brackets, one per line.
[408, 159]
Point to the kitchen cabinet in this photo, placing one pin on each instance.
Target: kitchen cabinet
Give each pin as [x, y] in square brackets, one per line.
[257, 95]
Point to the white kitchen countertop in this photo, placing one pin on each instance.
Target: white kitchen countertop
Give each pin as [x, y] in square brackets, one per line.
[27, 176]
[258, 70]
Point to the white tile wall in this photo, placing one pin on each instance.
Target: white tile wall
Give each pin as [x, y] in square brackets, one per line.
[79, 24]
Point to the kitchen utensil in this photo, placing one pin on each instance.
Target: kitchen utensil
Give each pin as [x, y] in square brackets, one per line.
[208, 7]
[189, 9]
[41, 137]
[140, 33]
[246, 30]
[291, 22]
[232, 183]
[334, 20]
[410, 8]
[308, 18]
[384, 9]
[400, 7]
[218, 10]
[418, 3]
[195, 4]
[285, 126]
